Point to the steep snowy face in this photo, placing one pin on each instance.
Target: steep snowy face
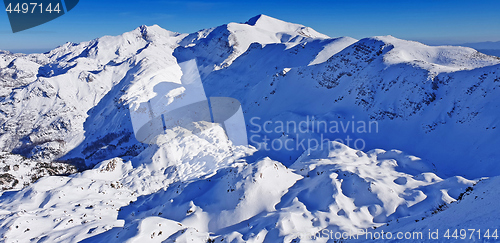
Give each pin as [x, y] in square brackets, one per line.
[440, 97]
[409, 89]
[333, 47]
[64, 88]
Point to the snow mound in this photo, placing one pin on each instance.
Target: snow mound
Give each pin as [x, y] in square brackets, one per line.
[474, 212]
[340, 190]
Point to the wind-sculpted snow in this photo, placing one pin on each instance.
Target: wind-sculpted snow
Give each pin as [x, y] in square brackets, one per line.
[75, 104]
[475, 210]
[68, 208]
[218, 195]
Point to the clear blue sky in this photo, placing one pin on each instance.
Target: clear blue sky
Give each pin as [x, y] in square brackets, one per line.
[430, 21]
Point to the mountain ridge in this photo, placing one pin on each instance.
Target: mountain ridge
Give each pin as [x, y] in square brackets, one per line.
[113, 52]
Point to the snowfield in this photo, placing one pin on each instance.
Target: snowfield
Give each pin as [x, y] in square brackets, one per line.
[234, 200]
[430, 164]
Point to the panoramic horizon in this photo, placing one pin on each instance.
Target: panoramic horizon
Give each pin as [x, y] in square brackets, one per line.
[429, 22]
[272, 121]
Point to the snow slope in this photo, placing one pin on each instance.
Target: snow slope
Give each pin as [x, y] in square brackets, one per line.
[474, 217]
[443, 98]
[228, 199]
[73, 104]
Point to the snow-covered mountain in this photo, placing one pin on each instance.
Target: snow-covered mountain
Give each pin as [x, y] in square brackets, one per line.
[72, 106]
[412, 90]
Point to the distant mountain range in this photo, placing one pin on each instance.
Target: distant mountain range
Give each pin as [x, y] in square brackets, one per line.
[488, 47]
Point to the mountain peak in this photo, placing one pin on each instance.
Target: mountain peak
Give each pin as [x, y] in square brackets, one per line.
[268, 23]
[259, 18]
[263, 21]
[153, 28]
